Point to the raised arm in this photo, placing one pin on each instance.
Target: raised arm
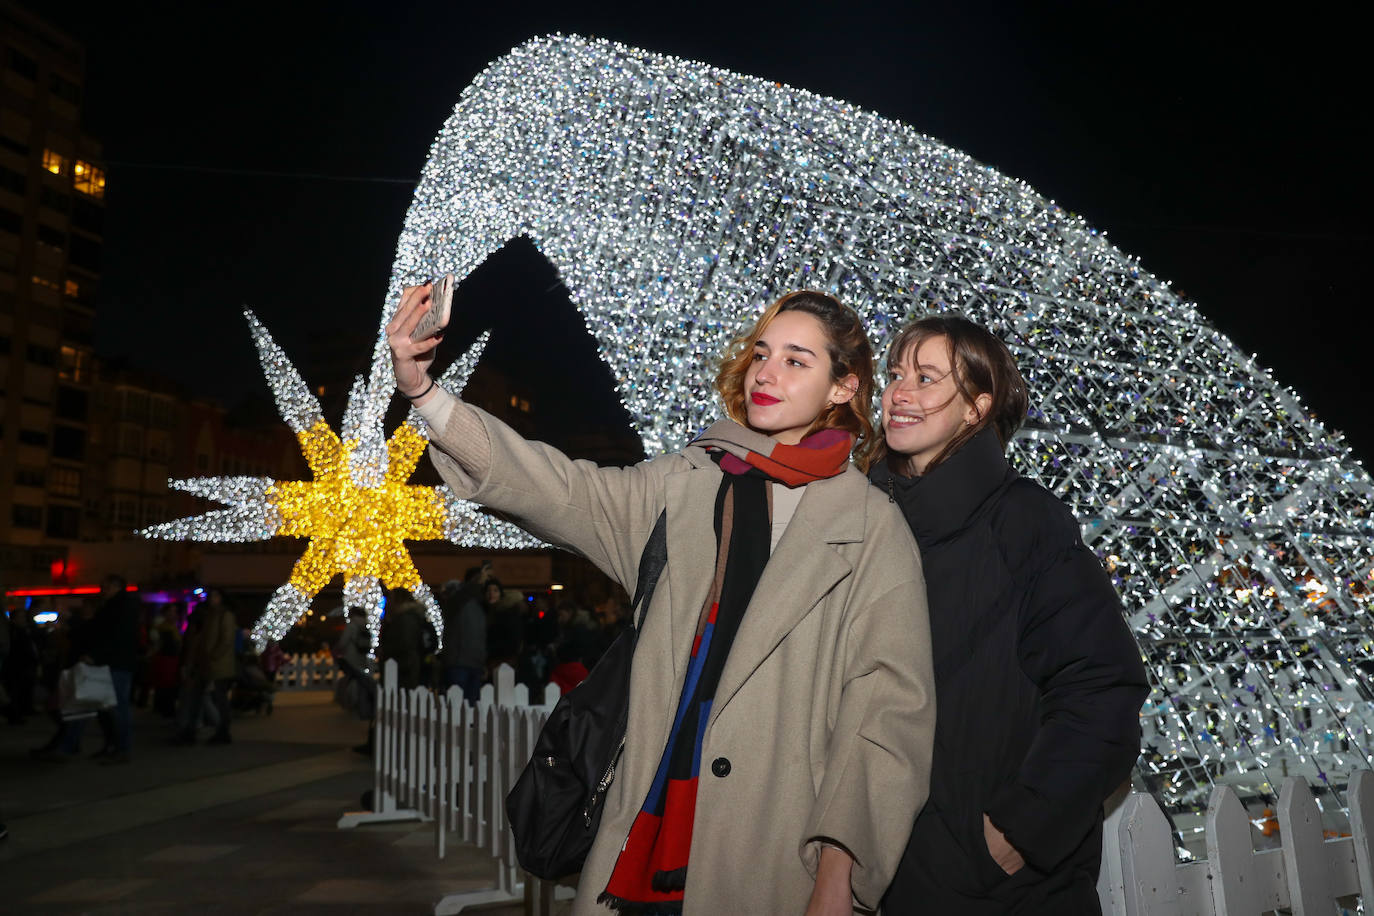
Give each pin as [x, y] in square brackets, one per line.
[604, 514]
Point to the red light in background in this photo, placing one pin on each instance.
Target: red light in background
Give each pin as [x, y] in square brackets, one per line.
[57, 591]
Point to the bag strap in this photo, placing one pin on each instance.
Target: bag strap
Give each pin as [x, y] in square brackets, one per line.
[651, 564]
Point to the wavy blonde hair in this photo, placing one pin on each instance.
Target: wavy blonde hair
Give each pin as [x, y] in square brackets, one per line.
[850, 353]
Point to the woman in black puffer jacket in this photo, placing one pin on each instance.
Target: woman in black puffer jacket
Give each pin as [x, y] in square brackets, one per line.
[1038, 680]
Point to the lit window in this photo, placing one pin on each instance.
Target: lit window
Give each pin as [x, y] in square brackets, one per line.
[64, 482]
[72, 289]
[55, 162]
[74, 365]
[44, 281]
[88, 179]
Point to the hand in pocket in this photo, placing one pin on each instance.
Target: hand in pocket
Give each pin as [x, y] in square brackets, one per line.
[1002, 852]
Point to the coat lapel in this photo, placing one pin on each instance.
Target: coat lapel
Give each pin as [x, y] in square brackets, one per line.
[803, 568]
[691, 501]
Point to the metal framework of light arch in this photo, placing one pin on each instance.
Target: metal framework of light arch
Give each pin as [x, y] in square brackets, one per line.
[674, 199]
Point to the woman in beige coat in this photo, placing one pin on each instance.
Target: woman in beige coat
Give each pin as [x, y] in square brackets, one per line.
[781, 707]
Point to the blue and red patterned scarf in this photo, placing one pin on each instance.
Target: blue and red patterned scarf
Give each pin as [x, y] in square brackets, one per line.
[651, 873]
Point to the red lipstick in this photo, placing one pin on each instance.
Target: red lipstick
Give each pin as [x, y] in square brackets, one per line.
[763, 400]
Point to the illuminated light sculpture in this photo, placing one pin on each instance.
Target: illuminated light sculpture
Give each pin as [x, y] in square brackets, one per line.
[357, 512]
[674, 199]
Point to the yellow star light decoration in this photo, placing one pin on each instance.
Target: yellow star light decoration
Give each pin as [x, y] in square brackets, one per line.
[358, 511]
[357, 530]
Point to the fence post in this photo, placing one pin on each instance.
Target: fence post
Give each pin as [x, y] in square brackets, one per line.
[442, 786]
[1110, 883]
[1149, 876]
[491, 786]
[384, 737]
[551, 695]
[465, 771]
[1360, 798]
[1231, 856]
[410, 766]
[1300, 826]
[387, 759]
[503, 685]
[427, 718]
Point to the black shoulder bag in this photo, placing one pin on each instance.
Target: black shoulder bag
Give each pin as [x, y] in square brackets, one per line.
[555, 806]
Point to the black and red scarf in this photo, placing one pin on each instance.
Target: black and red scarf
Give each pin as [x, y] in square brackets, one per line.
[651, 873]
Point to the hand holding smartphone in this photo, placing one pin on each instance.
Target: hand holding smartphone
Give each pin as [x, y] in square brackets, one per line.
[440, 304]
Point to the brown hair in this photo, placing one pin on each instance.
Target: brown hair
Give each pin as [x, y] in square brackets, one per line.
[980, 364]
[850, 354]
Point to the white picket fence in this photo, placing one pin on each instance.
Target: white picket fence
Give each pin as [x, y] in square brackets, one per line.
[438, 759]
[308, 672]
[1307, 874]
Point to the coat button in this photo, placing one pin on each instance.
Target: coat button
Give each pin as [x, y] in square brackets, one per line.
[720, 766]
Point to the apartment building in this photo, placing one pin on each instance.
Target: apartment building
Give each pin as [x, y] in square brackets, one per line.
[52, 189]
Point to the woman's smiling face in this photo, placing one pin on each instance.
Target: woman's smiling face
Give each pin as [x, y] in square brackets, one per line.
[787, 385]
[922, 408]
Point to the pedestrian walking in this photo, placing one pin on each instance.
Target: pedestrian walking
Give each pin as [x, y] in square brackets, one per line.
[111, 638]
[403, 636]
[211, 667]
[465, 633]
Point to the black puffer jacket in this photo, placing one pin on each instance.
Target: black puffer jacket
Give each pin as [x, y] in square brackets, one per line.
[1038, 687]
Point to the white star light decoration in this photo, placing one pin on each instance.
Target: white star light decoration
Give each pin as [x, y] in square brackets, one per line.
[358, 511]
[675, 198]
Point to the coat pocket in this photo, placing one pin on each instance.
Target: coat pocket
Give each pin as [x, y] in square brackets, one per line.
[995, 881]
[990, 874]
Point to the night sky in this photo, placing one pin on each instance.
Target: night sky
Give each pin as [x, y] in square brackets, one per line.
[1223, 153]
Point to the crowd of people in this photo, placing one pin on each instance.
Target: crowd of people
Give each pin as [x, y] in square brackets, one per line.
[195, 665]
[485, 624]
[179, 660]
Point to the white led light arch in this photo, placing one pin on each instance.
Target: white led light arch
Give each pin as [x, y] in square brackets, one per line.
[675, 199]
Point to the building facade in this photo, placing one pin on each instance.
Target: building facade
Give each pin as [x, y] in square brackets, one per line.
[52, 190]
[144, 431]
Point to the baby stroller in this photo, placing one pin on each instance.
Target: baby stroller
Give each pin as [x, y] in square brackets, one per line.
[253, 688]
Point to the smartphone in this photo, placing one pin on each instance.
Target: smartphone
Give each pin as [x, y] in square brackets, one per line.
[440, 304]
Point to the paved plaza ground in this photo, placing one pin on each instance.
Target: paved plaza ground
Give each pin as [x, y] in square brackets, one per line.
[247, 828]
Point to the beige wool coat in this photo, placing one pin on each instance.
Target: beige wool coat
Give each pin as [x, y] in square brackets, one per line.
[825, 710]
